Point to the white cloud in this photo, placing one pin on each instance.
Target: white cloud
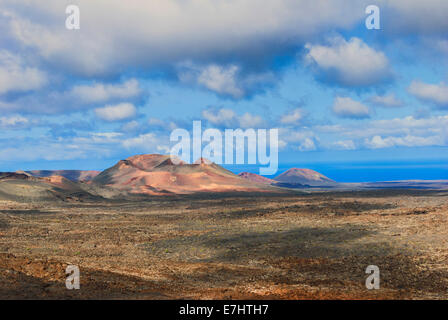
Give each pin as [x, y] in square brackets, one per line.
[292, 118]
[221, 80]
[100, 138]
[77, 98]
[377, 142]
[148, 142]
[409, 125]
[39, 151]
[248, 120]
[225, 80]
[345, 145]
[348, 63]
[388, 101]
[307, 145]
[405, 132]
[16, 76]
[15, 121]
[115, 35]
[229, 119]
[433, 93]
[221, 117]
[158, 124]
[348, 108]
[303, 139]
[117, 112]
[100, 92]
[141, 140]
[93, 146]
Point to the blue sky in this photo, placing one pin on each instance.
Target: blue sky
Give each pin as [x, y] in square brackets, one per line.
[355, 104]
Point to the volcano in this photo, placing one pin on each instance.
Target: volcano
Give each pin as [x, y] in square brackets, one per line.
[304, 177]
[156, 174]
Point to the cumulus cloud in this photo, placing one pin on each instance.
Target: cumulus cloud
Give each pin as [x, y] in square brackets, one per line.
[293, 117]
[220, 117]
[348, 63]
[248, 120]
[119, 112]
[16, 76]
[227, 80]
[307, 145]
[38, 150]
[300, 139]
[409, 125]
[221, 80]
[115, 35]
[162, 125]
[100, 138]
[227, 118]
[148, 142]
[163, 30]
[91, 146]
[54, 100]
[344, 145]
[378, 142]
[436, 94]
[346, 107]
[387, 101]
[232, 52]
[100, 92]
[405, 132]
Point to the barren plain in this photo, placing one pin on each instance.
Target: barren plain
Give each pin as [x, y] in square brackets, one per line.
[296, 245]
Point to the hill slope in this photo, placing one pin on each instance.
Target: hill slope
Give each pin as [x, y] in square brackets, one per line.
[73, 175]
[255, 178]
[155, 174]
[24, 187]
[305, 177]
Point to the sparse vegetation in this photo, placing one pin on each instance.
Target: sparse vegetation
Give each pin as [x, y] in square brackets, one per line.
[290, 246]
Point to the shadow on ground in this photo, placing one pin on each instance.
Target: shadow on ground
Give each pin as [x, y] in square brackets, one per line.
[238, 247]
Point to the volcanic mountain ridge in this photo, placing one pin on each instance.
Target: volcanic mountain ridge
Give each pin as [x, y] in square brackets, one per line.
[155, 174]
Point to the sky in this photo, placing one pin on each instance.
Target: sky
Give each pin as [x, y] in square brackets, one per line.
[357, 104]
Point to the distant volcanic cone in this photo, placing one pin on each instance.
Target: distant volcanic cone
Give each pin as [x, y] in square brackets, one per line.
[157, 174]
[305, 177]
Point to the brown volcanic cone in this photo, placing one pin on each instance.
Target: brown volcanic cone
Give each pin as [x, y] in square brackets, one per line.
[255, 178]
[304, 177]
[156, 174]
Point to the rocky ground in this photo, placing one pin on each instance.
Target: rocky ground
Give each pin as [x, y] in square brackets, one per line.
[294, 246]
